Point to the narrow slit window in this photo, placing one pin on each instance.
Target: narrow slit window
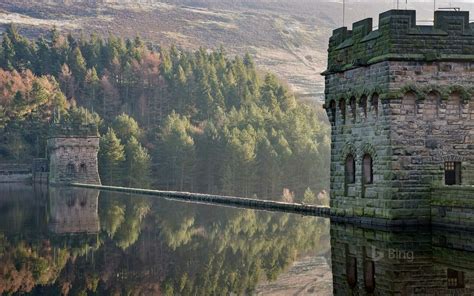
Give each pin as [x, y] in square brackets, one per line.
[332, 112]
[452, 173]
[353, 106]
[363, 106]
[369, 276]
[350, 169]
[455, 279]
[375, 105]
[351, 271]
[342, 108]
[367, 169]
[83, 168]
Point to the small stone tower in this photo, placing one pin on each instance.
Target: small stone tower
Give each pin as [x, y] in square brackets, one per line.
[400, 102]
[73, 154]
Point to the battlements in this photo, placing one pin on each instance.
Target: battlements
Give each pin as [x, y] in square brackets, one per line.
[67, 130]
[398, 37]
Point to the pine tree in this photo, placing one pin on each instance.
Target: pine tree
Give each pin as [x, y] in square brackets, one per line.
[126, 127]
[137, 164]
[111, 158]
[91, 86]
[8, 53]
[177, 150]
[77, 64]
[43, 57]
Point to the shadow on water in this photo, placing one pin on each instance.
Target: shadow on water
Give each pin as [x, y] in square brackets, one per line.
[81, 241]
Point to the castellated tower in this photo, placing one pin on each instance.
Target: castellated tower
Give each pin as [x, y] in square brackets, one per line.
[73, 154]
[400, 102]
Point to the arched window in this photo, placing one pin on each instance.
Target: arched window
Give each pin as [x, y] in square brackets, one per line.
[369, 276]
[453, 107]
[82, 168]
[353, 105]
[332, 112]
[350, 169]
[70, 169]
[342, 109]
[409, 104]
[374, 105]
[367, 169]
[363, 106]
[351, 271]
[431, 106]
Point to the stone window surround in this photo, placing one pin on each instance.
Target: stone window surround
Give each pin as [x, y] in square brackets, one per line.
[364, 105]
[444, 94]
[442, 101]
[367, 169]
[358, 154]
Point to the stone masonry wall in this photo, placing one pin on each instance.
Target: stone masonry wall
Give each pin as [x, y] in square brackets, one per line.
[369, 134]
[73, 159]
[425, 117]
[453, 206]
[432, 121]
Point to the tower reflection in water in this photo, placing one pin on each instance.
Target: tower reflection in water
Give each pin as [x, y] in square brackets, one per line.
[73, 210]
[403, 262]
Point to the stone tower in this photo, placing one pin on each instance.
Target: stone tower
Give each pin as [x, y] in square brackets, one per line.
[73, 154]
[400, 102]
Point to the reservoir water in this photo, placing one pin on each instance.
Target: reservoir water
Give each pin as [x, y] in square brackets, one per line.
[85, 242]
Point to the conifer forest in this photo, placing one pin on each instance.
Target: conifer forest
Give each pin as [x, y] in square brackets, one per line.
[168, 118]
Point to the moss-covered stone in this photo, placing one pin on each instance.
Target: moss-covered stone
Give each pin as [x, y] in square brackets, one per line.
[402, 94]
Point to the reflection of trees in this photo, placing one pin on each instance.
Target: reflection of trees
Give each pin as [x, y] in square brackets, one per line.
[224, 250]
[23, 266]
[122, 218]
[165, 247]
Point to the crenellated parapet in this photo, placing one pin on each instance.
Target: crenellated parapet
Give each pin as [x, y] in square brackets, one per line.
[66, 130]
[398, 37]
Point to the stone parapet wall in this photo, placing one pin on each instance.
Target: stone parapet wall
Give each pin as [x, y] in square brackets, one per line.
[68, 129]
[399, 38]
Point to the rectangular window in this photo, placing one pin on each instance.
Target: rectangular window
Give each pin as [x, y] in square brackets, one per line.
[452, 173]
[455, 279]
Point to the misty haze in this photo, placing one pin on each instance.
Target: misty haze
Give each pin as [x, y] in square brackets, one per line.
[236, 147]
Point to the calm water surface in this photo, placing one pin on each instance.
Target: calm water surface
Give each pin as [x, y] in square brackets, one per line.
[86, 242]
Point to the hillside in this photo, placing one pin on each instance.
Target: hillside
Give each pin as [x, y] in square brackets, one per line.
[286, 41]
[285, 37]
